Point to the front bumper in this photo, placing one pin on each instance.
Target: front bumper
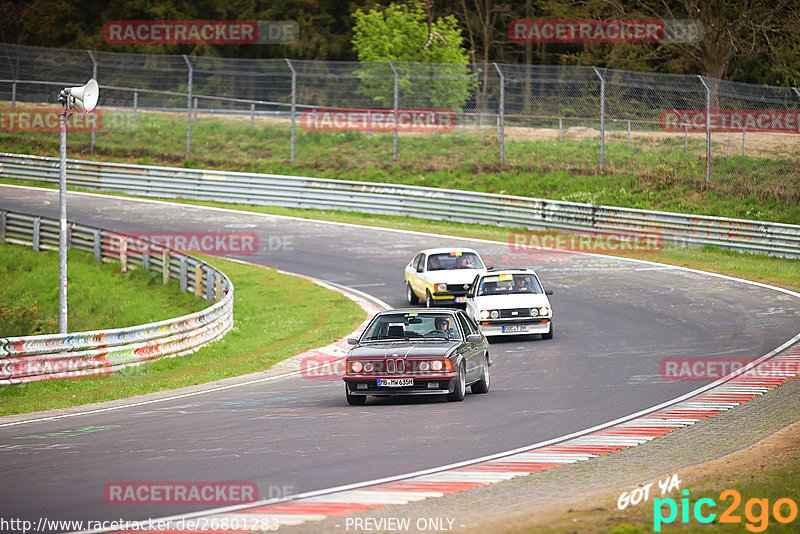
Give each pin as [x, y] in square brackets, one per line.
[362, 385]
[496, 327]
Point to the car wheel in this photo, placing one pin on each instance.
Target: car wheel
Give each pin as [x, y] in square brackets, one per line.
[460, 389]
[548, 335]
[410, 295]
[482, 385]
[428, 299]
[354, 400]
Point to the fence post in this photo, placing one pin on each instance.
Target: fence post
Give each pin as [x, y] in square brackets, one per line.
[252, 116]
[188, 106]
[602, 118]
[294, 105]
[396, 103]
[194, 111]
[198, 280]
[743, 132]
[146, 258]
[135, 103]
[685, 137]
[209, 285]
[629, 134]
[708, 128]
[502, 114]
[13, 94]
[94, 76]
[560, 130]
[183, 273]
[37, 221]
[165, 261]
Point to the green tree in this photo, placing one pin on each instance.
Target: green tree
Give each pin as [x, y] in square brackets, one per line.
[428, 55]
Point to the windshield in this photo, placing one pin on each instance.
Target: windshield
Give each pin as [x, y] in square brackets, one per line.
[454, 260]
[508, 284]
[414, 325]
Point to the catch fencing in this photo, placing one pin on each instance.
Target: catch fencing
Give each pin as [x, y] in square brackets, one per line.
[41, 357]
[734, 127]
[393, 199]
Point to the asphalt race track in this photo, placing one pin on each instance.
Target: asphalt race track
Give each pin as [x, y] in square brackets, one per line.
[614, 321]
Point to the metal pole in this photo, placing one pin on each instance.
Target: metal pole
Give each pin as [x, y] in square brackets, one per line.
[560, 130]
[708, 128]
[188, 107]
[502, 114]
[743, 132]
[14, 94]
[194, 111]
[94, 77]
[629, 134]
[602, 118]
[252, 116]
[294, 105]
[685, 137]
[396, 103]
[62, 213]
[135, 103]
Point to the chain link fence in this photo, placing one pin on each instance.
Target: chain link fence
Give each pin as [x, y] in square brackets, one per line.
[507, 115]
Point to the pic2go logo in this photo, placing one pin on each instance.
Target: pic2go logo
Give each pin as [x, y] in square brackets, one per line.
[756, 511]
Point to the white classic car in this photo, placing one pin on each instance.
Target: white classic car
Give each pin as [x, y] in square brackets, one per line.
[510, 302]
[441, 275]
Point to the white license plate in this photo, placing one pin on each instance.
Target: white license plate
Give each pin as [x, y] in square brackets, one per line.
[461, 300]
[395, 382]
[515, 328]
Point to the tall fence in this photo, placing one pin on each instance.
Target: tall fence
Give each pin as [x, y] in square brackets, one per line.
[394, 199]
[31, 358]
[720, 123]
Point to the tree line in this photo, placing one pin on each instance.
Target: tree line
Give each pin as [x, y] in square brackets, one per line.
[755, 41]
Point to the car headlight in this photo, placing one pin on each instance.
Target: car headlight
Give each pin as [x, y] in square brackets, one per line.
[436, 365]
[423, 366]
[534, 312]
[484, 314]
[440, 287]
[544, 310]
[356, 367]
[368, 367]
[495, 314]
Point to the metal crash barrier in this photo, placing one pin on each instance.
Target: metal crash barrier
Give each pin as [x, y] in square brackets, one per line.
[31, 358]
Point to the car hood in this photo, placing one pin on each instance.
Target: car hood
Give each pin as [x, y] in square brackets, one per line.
[403, 349]
[517, 300]
[454, 276]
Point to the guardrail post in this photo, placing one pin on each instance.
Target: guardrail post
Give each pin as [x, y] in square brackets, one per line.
[70, 226]
[96, 242]
[502, 114]
[217, 289]
[135, 103]
[165, 261]
[13, 94]
[395, 107]
[198, 280]
[188, 106]
[183, 274]
[708, 128]
[294, 105]
[123, 252]
[146, 258]
[209, 284]
[94, 76]
[3, 218]
[252, 116]
[37, 222]
[602, 118]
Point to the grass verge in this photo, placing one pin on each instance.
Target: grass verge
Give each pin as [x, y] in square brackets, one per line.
[655, 172]
[275, 316]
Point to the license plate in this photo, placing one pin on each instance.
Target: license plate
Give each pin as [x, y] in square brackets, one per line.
[515, 328]
[395, 382]
[461, 300]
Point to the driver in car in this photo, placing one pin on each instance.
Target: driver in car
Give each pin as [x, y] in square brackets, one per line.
[522, 284]
[443, 327]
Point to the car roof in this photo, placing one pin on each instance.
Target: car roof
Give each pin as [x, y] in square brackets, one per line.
[442, 250]
[509, 271]
[450, 311]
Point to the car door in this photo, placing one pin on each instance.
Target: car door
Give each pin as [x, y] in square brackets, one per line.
[472, 350]
[472, 306]
[412, 276]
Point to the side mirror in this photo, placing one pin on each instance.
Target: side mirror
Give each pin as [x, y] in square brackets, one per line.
[548, 291]
[490, 267]
[352, 341]
[473, 338]
[420, 269]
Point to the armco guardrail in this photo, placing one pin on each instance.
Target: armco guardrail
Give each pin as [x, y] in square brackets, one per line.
[391, 199]
[30, 358]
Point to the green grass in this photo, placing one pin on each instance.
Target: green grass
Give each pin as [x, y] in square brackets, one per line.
[275, 316]
[655, 173]
[99, 295]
